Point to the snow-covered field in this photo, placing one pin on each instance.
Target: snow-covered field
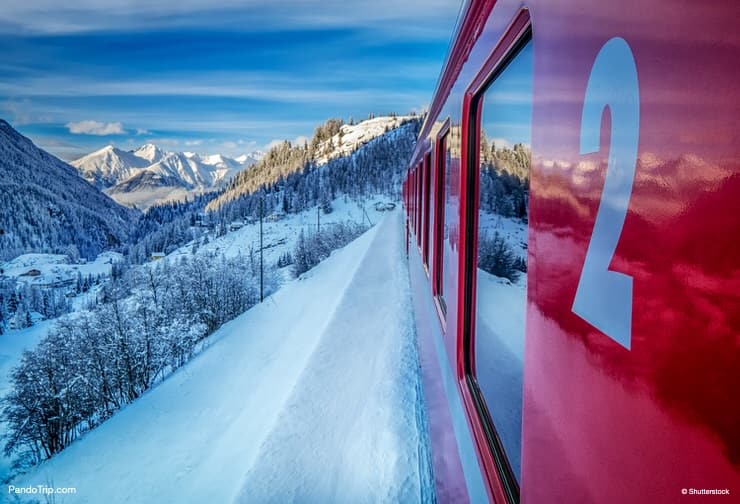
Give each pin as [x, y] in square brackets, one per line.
[280, 235]
[311, 396]
[56, 269]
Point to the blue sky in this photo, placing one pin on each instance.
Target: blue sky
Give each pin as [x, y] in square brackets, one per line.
[507, 103]
[210, 76]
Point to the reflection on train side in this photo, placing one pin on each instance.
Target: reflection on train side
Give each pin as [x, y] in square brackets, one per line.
[503, 185]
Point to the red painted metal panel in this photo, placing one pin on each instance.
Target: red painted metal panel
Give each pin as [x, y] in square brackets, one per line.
[602, 423]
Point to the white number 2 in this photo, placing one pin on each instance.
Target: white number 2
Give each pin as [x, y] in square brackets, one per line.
[603, 297]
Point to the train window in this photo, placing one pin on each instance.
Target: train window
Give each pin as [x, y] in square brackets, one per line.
[427, 212]
[411, 200]
[412, 178]
[440, 166]
[505, 115]
[419, 202]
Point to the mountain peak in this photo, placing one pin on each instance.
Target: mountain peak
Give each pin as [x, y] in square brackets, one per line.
[150, 152]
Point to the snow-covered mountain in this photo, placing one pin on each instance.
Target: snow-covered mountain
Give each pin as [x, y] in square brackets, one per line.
[150, 175]
[47, 207]
[248, 159]
[351, 136]
[332, 141]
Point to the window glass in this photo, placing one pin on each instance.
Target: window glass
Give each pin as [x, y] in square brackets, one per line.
[439, 209]
[427, 209]
[420, 202]
[450, 253]
[505, 132]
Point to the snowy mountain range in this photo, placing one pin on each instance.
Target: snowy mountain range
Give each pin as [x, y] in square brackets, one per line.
[47, 207]
[150, 175]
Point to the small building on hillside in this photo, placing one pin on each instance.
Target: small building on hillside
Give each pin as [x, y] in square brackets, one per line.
[156, 256]
[236, 225]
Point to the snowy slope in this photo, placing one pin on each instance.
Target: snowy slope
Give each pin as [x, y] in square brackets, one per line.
[360, 387]
[150, 175]
[352, 137]
[312, 396]
[280, 236]
[12, 345]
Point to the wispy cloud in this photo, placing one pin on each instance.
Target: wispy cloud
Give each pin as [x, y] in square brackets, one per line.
[95, 128]
[23, 112]
[239, 86]
[53, 17]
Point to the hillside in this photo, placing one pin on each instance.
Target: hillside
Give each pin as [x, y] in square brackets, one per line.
[47, 207]
[332, 141]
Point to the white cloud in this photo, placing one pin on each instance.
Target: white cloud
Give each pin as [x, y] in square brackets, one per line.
[95, 128]
[191, 143]
[167, 141]
[142, 131]
[300, 140]
[273, 143]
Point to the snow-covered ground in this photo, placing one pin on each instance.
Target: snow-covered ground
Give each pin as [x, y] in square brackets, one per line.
[311, 396]
[512, 230]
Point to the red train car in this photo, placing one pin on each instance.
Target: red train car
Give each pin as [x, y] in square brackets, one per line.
[573, 214]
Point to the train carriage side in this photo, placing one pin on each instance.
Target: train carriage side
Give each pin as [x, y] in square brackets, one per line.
[572, 225]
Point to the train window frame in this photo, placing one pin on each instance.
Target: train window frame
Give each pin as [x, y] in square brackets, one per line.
[490, 446]
[426, 215]
[412, 194]
[412, 215]
[440, 167]
[419, 203]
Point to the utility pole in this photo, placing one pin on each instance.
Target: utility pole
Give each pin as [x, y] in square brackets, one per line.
[262, 268]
